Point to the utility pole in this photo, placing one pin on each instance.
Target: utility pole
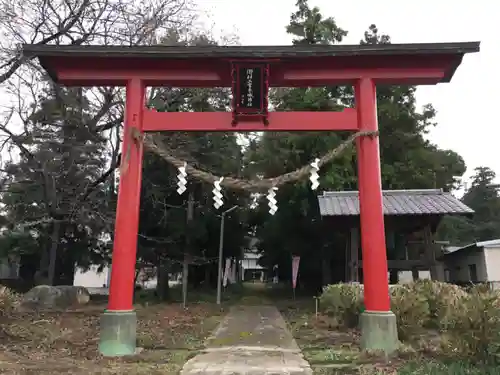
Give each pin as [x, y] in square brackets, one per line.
[187, 249]
[221, 247]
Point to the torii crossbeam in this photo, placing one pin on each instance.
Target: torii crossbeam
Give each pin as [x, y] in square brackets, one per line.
[251, 71]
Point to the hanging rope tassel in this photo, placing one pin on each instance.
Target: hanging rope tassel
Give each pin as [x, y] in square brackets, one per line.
[314, 174]
[218, 202]
[272, 202]
[182, 182]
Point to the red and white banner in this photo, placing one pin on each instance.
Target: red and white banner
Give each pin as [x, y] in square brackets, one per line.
[295, 270]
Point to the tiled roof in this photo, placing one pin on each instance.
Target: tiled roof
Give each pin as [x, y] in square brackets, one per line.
[396, 202]
[301, 50]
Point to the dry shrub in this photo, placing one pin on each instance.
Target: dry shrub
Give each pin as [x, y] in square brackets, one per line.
[475, 331]
[343, 302]
[9, 300]
[469, 320]
[411, 310]
[444, 300]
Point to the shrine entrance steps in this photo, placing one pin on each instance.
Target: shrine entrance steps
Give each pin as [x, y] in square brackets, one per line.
[251, 340]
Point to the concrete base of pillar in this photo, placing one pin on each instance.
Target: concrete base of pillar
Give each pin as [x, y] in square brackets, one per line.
[379, 331]
[118, 333]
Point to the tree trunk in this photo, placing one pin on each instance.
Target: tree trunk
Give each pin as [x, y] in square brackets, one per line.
[53, 252]
[40, 277]
[46, 270]
[162, 286]
[207, 276]
[65, 268]
[28, 267]
[326, 266]
[185, 270]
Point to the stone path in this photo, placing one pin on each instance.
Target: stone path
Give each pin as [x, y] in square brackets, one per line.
[251, 340]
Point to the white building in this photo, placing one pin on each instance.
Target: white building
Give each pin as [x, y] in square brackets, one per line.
[92, 278]
[251, 270]
[477, 262]
[405, 277]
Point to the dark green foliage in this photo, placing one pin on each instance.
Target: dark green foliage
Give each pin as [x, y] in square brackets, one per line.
[482, 196]
[165, 234]
[409, 160]
[63, 176]
[56, 182]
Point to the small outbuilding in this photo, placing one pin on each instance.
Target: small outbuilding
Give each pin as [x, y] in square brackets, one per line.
[478, 262]
[411, 219]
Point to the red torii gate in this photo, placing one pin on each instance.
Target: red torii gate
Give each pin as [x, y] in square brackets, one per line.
[362, 66]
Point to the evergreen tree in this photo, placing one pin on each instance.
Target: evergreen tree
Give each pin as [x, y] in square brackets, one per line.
[483, 198]
[165, 234]
[408, 160]
[56, 184]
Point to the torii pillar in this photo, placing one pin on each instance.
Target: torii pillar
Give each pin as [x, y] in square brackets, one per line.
[377, 319]
[250, 71]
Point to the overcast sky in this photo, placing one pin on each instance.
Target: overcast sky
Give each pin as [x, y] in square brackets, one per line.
[466, 106]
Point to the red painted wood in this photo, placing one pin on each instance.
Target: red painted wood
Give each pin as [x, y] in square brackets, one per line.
[73, 76]
[390, 69]
[323, 77]
[221, 121]
[362, 71]
[293, 78]
[375, 280]
[121, 289]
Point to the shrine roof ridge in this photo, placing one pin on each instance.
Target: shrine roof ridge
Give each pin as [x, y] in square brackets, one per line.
[248, 52]
[395, 202]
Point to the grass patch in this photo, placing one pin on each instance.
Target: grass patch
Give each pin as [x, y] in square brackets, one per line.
[446, 368]
[66, 343]
[333, 350]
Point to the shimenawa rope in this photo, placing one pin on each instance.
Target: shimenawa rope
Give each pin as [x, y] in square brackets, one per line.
[155, 145]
